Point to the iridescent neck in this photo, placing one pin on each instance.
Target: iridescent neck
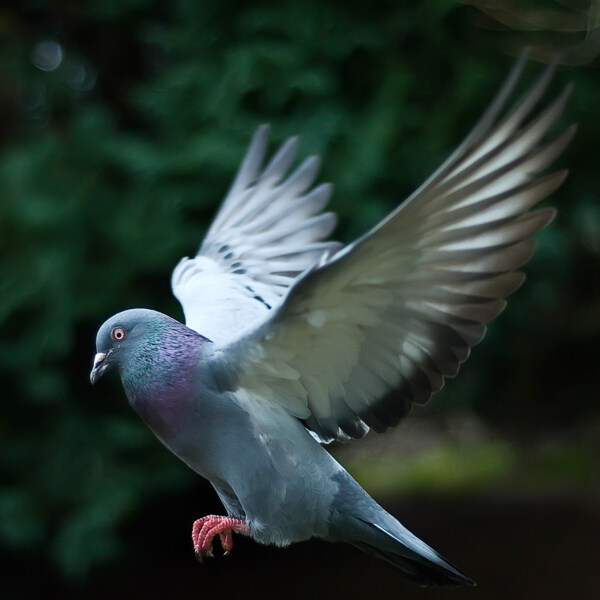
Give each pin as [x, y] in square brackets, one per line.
[158, 378]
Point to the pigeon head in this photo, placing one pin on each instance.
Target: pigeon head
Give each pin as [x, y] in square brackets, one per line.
[133, 341]
[121, 335]
[157, 359]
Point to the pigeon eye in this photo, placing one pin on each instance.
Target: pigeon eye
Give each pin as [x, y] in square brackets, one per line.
[118, 334]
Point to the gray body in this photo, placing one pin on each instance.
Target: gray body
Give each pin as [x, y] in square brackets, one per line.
[266, 467]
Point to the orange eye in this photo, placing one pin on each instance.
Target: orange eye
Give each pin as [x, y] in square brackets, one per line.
[118, 334]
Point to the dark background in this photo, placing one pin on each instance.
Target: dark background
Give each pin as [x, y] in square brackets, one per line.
[121, 126]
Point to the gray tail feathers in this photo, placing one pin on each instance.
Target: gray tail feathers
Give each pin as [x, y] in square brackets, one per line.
[397, 546]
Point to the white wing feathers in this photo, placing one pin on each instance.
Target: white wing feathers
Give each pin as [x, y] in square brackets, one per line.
[267, 232]
[380, 324]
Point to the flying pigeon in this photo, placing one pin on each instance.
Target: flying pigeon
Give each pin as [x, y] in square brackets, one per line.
[292, 341]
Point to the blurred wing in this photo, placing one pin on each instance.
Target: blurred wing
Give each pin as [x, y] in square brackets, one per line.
[267, 231]
[380, 324]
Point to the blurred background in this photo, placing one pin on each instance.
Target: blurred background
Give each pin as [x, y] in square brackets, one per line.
[121, 126]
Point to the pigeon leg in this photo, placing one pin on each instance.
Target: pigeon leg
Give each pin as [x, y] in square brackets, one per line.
[206, 528]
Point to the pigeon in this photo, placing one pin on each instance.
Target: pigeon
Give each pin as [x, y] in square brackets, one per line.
[292, 341]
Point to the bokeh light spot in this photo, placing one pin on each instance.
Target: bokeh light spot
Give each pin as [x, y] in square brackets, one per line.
[47, 55]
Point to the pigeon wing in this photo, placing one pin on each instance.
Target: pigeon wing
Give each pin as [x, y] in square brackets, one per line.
[379, 325]
[268, 231]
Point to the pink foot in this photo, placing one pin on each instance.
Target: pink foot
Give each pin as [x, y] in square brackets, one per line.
[206, 528]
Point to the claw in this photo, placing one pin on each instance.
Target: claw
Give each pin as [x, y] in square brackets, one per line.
[206, 528]
[200, 556]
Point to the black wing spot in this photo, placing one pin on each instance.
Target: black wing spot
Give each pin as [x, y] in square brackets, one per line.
[262, 300]
[259, 298]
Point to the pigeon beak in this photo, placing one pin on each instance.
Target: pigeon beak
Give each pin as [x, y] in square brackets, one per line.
[99, 367]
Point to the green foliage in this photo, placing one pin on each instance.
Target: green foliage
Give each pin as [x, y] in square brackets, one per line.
[454, 466]
[446, 468]
[113, 161]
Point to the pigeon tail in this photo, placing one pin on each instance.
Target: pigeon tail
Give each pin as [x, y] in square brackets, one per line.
[407, 553]
[358, 520]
